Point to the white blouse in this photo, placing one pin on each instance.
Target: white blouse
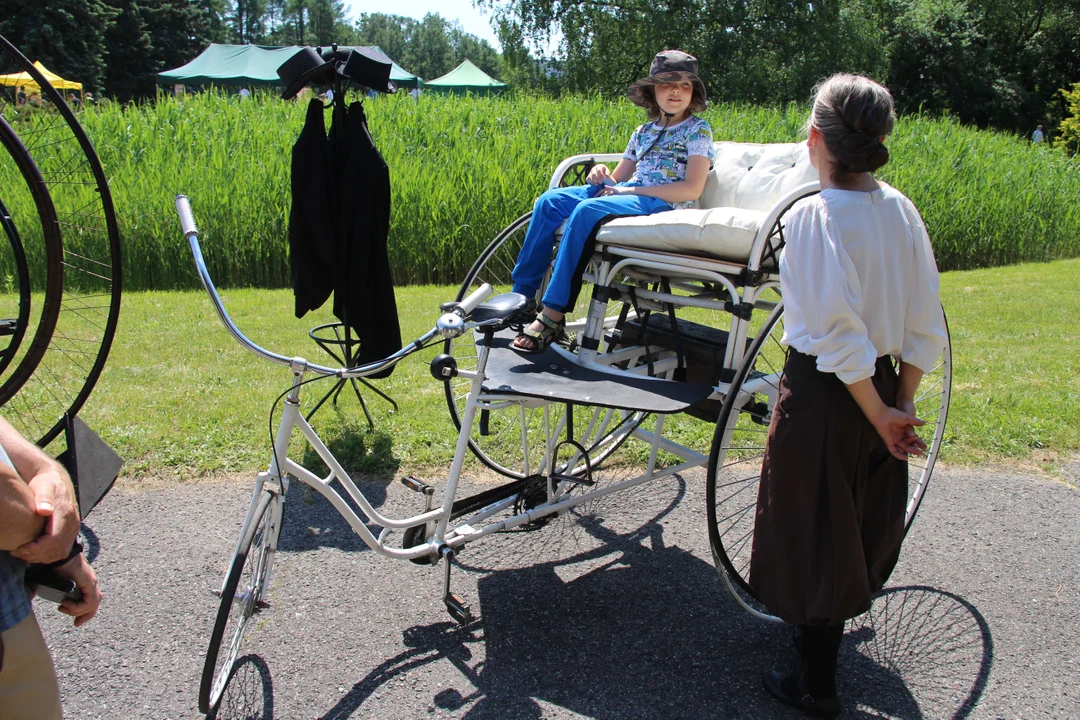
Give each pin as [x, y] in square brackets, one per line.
[859, 281]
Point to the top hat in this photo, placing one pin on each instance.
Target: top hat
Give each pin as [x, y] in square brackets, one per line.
[369, 72]
[670, 66]
[303, 67]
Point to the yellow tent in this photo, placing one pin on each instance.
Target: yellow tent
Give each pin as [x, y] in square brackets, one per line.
[24, 79]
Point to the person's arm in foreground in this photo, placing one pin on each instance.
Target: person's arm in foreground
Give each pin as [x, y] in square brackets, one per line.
[19, 523]
[895, 425]
[54, 498]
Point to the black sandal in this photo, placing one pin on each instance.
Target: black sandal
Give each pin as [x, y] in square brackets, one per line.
[553, 330]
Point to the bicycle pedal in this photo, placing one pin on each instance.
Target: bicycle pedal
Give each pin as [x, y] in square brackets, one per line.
[417, 485]
[558, 477]
[458, 609]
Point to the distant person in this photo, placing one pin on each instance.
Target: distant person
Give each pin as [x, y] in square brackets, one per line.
[20, 98]
[244, 93]
[74, 101]
[90, 99]
[39, 521]
[663, 167]
[415, 93]
[862, 322]
[329, 95]
[1038, 136]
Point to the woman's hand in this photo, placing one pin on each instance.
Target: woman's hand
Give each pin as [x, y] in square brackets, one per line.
[896, 426]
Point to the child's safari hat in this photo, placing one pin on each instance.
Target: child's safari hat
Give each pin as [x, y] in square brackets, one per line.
[669, 66]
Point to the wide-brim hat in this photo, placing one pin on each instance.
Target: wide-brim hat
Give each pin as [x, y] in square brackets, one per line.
[669, 66]
[302, 68]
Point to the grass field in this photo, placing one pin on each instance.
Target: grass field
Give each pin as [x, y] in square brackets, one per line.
[462, 168]
[180, 398]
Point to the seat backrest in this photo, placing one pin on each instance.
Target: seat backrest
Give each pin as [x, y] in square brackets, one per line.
[755, 176]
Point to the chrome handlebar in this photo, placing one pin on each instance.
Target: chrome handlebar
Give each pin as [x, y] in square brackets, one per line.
[452, 323]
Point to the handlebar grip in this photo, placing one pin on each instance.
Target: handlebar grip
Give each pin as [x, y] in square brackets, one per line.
[478, 296]
[187, 221]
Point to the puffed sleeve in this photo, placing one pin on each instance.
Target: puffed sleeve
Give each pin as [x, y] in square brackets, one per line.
[819, 280]
[924, 321]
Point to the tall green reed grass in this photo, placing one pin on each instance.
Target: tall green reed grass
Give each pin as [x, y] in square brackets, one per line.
[462, 168]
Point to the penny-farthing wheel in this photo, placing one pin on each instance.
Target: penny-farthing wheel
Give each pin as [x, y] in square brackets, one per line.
[59, 256]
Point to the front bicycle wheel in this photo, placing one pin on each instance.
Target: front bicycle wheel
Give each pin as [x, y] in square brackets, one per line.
[242, 596]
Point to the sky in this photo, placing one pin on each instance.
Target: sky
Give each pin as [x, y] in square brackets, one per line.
[471, 19]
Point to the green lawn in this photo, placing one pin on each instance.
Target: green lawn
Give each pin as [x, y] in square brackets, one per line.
[180, 398]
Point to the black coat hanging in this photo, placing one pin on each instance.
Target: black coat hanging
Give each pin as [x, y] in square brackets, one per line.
[340, 217]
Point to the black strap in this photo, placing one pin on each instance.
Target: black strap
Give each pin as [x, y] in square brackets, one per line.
[643, 321]
[76, 549]
[680, 356]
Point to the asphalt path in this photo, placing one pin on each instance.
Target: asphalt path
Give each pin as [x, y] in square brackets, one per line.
[615, 617]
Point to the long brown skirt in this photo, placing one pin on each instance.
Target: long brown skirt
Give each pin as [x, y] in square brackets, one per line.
[830, 512]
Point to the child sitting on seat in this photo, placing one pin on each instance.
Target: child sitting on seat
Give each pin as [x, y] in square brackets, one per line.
[664, 167]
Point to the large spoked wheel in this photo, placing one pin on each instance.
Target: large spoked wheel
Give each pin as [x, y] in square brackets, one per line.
[18, 304]
[242, 597]
[58, 205]
[515, 440]
[738, 448]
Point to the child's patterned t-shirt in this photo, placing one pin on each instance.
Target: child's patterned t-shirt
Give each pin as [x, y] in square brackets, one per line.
[666, 161]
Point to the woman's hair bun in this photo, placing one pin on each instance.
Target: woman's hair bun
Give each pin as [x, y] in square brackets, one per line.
[853, 114]
[860, 153]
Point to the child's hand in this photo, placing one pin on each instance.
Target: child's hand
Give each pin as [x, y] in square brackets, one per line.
[597, 174]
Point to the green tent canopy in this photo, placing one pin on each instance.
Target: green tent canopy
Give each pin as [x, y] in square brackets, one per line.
[466, 78]
[256, 66]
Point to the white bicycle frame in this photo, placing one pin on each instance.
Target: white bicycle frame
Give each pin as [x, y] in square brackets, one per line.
[442, 534]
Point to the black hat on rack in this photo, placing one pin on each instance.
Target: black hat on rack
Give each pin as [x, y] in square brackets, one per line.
[302, 68]
[366, 71]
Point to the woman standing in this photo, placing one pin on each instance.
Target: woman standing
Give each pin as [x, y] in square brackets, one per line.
[863, 322]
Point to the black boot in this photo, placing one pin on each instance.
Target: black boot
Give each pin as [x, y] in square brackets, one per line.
[814, 689]
[791, 689]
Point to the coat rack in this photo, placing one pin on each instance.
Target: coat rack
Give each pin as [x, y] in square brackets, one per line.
[337, 234]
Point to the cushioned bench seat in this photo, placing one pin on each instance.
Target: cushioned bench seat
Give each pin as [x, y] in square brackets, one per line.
[746, 182]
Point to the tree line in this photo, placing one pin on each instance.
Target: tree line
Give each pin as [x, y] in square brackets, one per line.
[117, 47]
[993, 63]
[998, 63]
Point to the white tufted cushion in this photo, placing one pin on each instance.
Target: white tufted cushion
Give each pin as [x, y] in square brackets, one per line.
[746, 181]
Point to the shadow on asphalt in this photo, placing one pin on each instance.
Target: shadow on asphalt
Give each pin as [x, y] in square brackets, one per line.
[250, 693]
[612, 623]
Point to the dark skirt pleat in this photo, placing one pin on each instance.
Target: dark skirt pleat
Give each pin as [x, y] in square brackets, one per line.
[830, 513]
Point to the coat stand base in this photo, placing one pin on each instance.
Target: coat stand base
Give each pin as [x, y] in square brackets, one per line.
[343, 350]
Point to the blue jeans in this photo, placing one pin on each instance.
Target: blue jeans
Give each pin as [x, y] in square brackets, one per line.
[582, 211]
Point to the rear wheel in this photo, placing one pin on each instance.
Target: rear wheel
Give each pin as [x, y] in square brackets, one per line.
[738, 448]
[242, 597]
